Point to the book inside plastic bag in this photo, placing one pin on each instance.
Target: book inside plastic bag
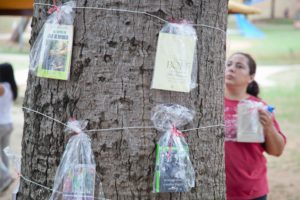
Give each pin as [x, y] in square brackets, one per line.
[176, 58]
[173, 169]
[76, 176]
[50, 55]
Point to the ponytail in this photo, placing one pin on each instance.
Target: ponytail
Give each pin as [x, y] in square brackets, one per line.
[7, 75]
[253, 88]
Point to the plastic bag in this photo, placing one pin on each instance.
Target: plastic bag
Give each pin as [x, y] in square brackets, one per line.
[76, 174]
[16, 160]
[173, 169]
[50, 55]
[176, 58]
[249, 128]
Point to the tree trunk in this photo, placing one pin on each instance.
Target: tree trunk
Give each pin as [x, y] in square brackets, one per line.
[272, 9]
[19, 30]
[112, 65]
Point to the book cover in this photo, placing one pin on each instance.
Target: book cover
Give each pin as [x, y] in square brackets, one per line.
[79, 183]
[56, 52]
[171, 169]
[174, 62]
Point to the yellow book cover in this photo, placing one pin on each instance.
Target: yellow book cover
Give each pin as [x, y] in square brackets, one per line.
[174, 62]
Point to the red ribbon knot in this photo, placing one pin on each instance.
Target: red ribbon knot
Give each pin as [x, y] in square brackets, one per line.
[174, 133]
[53, 8]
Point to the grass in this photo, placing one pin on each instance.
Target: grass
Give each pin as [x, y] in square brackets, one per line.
[281, 44]
[284, 171]
[286, 95]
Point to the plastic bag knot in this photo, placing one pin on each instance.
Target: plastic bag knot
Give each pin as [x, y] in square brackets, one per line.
[75, 126]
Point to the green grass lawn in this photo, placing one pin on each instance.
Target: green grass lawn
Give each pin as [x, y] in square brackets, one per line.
[281, 44]
[284, 171]
[285, 95]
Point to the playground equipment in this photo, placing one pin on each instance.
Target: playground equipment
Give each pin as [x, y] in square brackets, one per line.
[240, 9]
[246, 28]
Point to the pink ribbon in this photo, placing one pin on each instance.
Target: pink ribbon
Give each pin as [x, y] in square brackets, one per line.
[53, 8]
[174, 133]
[178, 21]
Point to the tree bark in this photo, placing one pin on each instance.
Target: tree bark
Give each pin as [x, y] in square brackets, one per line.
[112, 66]
[273, 2]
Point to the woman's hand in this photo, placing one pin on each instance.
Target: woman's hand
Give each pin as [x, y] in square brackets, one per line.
[265, 119]
[274, 142]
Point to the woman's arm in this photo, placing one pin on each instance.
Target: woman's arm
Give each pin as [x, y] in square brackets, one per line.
[274, 141]
[1, 90]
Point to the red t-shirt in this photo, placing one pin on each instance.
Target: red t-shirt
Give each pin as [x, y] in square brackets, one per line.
[245, 164]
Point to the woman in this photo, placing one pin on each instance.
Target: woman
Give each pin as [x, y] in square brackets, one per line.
[245, 164]
[8, 93]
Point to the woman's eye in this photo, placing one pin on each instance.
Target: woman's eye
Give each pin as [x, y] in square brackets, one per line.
[240, 66]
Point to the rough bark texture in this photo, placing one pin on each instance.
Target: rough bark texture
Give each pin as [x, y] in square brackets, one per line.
[112, 66]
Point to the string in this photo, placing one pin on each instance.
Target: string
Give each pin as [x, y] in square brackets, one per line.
[119, 128]
[50, 189]
[176, 132]
[136, 12]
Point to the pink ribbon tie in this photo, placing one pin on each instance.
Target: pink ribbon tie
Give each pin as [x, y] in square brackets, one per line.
[174, 133]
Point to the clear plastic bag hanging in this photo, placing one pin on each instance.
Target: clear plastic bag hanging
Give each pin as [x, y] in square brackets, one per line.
[50, 55]
[16, 160]
[173, 169]
[249, 128]
[76, 176]
[176, 58]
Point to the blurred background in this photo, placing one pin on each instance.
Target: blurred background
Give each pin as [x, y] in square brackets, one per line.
[267, 29]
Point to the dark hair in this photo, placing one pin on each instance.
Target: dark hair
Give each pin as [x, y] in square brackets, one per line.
[253, 87]
[7, 75]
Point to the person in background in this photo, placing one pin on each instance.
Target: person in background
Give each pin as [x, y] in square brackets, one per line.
[245, 164]
[8, 93]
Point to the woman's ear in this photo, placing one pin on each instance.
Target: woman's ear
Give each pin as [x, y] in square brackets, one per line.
[251, 78]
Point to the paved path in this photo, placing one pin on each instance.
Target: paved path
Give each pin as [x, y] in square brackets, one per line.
[264, 72]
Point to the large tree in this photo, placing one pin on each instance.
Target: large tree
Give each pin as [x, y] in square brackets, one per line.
[272, 9]
[112, 66]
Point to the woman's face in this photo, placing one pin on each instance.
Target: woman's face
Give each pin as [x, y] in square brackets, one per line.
[237, 72]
